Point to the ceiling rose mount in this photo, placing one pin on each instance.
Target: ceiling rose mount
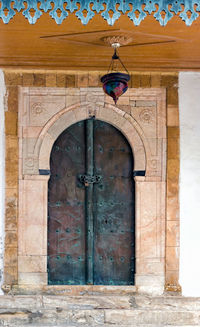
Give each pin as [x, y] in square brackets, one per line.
[115, 83]
[119, 40]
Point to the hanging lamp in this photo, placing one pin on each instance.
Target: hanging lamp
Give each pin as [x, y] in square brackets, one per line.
[115, 83]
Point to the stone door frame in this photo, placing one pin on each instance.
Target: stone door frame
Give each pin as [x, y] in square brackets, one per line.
[44, 113]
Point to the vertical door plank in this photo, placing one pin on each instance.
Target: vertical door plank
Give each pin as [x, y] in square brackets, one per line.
[113, 207]
[89, 201]
[66, 209]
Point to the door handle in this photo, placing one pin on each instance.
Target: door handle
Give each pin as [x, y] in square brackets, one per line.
[88, 179]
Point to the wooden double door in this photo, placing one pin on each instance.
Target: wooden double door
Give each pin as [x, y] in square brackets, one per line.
[91, 237]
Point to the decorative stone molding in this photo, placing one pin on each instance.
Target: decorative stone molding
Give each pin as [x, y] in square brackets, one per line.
[144, 127]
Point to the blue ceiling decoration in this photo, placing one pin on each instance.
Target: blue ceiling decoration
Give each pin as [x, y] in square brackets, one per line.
[110, 10]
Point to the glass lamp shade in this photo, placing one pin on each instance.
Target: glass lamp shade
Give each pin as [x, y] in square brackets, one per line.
[115, 84]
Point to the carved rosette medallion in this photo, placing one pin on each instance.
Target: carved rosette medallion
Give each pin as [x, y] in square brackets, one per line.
[153, 164]
[37, 109]
[29, 162]
[146, 116]
[30, 166]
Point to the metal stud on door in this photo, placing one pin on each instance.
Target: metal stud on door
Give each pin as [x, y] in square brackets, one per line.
[91, 207]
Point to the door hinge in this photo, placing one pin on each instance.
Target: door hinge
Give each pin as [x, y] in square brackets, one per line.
[139, 173]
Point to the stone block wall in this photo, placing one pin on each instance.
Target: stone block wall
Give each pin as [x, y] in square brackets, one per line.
[14, 79]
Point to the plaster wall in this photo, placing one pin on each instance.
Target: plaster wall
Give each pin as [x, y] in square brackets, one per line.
[189, 87]
[2, 174]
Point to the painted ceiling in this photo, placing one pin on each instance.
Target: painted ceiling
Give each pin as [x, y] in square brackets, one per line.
[77, 34]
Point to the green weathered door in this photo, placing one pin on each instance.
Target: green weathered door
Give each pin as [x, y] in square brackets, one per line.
[91, 207]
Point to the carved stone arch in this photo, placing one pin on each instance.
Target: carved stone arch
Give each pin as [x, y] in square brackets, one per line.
[44, 114]
[108, 113]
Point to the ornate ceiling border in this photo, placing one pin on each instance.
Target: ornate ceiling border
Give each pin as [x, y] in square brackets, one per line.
[111, 10]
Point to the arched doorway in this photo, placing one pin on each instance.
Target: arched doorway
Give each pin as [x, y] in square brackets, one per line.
[91, 238]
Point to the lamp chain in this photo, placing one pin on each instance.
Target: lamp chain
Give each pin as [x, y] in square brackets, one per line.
[114, 65]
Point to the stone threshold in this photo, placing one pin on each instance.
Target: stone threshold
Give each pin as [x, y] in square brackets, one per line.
[129, 301]
[69, 290]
